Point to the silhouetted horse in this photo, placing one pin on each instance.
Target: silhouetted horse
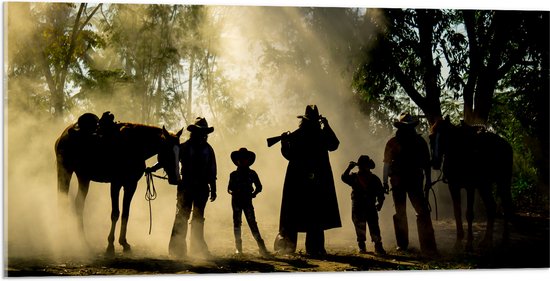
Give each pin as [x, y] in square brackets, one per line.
[114, 154]
[473, 159]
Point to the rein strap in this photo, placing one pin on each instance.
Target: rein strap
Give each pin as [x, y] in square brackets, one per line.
[151, 194]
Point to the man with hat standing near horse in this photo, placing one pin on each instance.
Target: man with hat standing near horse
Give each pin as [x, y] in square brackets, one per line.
[198, 183]
[309, 202]
[407, 164]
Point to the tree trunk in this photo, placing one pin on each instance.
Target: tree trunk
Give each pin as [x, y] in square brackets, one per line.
[190, 90]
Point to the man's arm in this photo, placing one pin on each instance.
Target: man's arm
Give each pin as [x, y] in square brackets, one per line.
[213, 175]
[257, 184]
[346, 177]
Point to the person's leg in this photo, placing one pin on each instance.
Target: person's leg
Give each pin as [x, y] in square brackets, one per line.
[198, 244]
[237, 222]
[315, 242]
[251, 219]
[178, 245]
[359, 222]
[374, 230]
[400, 217]
[423, 220]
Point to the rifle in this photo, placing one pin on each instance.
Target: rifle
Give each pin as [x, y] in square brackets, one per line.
[273, 140]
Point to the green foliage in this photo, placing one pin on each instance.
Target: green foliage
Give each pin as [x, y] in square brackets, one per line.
[526, 172]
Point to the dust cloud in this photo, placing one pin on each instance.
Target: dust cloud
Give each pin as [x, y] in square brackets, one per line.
[36, 227]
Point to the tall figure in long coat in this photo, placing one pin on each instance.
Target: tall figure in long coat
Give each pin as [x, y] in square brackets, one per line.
[309, 201]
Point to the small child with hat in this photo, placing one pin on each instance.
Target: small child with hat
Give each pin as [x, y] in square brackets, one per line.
[367, 198]
[241, 190]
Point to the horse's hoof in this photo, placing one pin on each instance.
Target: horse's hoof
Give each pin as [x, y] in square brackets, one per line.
[126, 249]
[110, 251]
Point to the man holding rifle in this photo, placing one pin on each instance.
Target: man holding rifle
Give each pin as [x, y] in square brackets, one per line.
[309, 202]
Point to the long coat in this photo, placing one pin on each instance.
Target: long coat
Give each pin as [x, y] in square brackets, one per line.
[309, 196]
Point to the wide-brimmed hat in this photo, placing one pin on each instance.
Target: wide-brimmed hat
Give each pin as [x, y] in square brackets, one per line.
[200, 126]
[243, 153]
[364, 159]
[312, 113]
[405, 120]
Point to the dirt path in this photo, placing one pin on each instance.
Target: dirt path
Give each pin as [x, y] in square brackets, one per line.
[528, 248]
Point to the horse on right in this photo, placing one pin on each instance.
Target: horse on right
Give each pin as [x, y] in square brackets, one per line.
[472, 158]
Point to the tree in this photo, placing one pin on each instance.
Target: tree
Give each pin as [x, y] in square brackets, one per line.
[495, 63]
[60, 42]
[430, 55]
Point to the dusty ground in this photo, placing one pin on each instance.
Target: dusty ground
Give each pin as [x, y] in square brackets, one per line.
[528, 248]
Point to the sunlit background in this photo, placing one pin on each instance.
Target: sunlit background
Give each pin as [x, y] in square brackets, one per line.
[250, 70]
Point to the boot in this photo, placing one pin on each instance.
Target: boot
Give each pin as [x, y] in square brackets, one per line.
[177, 246]
[262, 249]
[401, 232]
[239, 247]
[378, 245]
[379, 249]
[426, 235]
[198, 245]
[362, 247]
[238, 241]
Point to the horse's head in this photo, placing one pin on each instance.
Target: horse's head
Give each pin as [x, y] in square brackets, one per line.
[168, 155]
[439, 134]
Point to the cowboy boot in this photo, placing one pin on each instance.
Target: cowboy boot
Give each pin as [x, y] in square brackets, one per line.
[362, 247]
[262, 249]
[198, 245]
[401, 233]
[238, 241]
[177, 246]
[426, 235]
[378, 248]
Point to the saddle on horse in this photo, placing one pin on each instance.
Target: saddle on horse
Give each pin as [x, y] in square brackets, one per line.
[96, 141]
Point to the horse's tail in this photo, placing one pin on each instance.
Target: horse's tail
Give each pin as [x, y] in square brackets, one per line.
[64, 173]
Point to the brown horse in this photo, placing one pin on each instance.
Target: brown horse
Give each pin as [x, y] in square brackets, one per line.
[473, 158]
[113, 154]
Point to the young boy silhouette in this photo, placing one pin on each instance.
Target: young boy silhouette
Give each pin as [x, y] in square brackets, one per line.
[367, 198]
[241, 190]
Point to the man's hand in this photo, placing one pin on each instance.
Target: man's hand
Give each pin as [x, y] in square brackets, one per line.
[323, 120]
[386, 188]
[379, 206]
[213, 196]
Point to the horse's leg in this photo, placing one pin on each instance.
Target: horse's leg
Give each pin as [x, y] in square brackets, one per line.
[83, 186]
[457, 209]
[470, 195]
[490, 207]
[115, 213]
[129, 190]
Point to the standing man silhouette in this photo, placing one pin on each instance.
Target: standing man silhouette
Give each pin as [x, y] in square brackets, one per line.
[309, 202]
[407, 164]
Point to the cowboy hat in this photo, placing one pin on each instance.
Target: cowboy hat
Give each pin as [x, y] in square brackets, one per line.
[243, 153]
[200, 126]
[364, 159]
[405, 120]
[312, 113]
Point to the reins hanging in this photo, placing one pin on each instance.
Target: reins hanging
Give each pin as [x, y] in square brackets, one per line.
[439, 178]
[151, 194]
